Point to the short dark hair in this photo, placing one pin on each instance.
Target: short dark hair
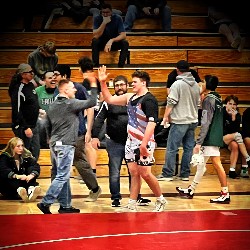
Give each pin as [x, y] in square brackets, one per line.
[142, 75]
[106, 6]
[64, 70]
[121, 78]
[231, 97]
[85, 64]
[182, 66]
[211, 82]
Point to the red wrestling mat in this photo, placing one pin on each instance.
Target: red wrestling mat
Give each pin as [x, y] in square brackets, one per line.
[167, 230]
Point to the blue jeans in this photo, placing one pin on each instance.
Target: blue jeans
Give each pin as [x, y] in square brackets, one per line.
[133, 13]
[62, 160]
[179, 134]
[116, 153]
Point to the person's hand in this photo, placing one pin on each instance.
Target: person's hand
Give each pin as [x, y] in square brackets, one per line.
[29, 177]
[21, 177]
[146, 10]
[108, 45]
[156, 11]
[197, 149]
[28, 132]
[106, 19]
[102, 75]
[144, 150]
[95, 143]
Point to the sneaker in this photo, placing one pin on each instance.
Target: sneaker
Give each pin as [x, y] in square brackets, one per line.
[130, 207]
[223, 199]
[22, 192]
[116, 203]
[185, 192]
[143, 202]
[160, 205]
[33, 192]
[44, 208]
[233, 175]
[184, 178]
[93, 196]
[68, 210]
[160, 177]
[244, 173]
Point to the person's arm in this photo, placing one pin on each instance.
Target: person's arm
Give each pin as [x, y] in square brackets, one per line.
[90, 120]
[33, 169]
[98, 123]
[6, 170]
[98, 29]
[207, 117]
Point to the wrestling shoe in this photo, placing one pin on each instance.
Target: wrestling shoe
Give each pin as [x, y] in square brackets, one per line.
[224, 198]
[185, 192]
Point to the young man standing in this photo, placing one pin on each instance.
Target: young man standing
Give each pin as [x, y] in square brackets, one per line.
[209, 142]
[63, 127]
[142, 116]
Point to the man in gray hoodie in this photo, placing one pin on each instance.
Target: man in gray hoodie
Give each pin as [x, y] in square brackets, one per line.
[182, 113]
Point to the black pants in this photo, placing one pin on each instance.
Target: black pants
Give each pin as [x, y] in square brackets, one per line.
[99, 45]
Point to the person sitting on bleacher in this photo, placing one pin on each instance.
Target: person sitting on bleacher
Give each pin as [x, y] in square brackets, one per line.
[148, 8]
[18, 172]
[231, 133]
[109, 34]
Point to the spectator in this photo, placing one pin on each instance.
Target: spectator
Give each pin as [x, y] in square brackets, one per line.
[116, 118]
[182, 113]
[208, 143]
[63, 125]
[46, 96]
[147, 8]
[43, 59]
[246, 139]
[109, 35]
[87, 67]
[25, 108]
[231, 133]
[142, 117]
[19, 171]
[226, 26]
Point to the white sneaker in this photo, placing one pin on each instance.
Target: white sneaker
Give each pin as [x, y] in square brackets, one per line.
[222, 199]
[33, 192]
[130, 207]
[160, 205]
[23, 194]
[93, 196]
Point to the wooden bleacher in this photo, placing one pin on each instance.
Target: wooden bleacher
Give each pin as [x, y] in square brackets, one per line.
[192, 38]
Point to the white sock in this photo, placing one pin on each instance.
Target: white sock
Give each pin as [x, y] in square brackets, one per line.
[160, 198]
[232, 168]
[224, 190]
[132, 201]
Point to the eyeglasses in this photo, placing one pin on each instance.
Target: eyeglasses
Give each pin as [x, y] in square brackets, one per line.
[31, 72]
[57, 74]
[117, 85]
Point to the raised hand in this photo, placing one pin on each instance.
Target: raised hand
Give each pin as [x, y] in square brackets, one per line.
[102, 74]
